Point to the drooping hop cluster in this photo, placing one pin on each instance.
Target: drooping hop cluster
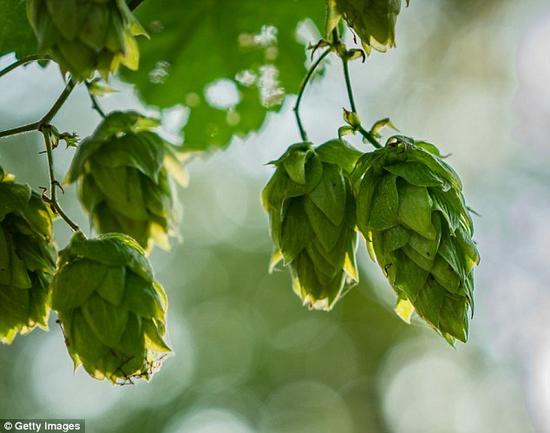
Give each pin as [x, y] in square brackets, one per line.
[85, 36]
[412, 213]
[372, 20]
[111, 308]
[124, 173]
[27, 259]
[312, 215]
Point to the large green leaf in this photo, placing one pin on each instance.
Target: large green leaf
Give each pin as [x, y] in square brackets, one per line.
[15, 32]
[195, 45]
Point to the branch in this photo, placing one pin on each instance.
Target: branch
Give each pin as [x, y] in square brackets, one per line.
[47, 117]
[25, 128]
[59, 103]
[54, 184]
[303, 86]
[21, 62]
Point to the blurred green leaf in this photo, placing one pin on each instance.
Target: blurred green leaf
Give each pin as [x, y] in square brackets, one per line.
[251, 45]
[15, 32]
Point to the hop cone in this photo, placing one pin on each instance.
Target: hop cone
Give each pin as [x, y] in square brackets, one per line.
[84, 36]
[411, 211]
[312, 216]
[372, 20]
[123, 179]
[27, 259]
[111, 308]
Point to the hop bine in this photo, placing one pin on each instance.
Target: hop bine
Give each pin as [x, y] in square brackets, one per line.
[85, 36]
[111, 308]
[412, 213]
[372, 20]
[27, 259]
[312, 216]
[123, 173]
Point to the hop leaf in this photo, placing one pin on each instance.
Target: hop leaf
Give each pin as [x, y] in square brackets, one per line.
[372, 20]
[85, 36]
[312, 216]
[411, 211]
[111, 308]
[123, 179]
[27, 259]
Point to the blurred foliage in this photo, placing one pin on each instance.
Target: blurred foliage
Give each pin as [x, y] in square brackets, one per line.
[86, 37]
[252, 44]
[15, 32]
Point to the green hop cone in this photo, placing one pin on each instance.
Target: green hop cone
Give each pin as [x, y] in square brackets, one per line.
[372, 20]
[111, 308]
[27, 259]
[312, 217]
[123, 173]
[85, 36]
[412, 213]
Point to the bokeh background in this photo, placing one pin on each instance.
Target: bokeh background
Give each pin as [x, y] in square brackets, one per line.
[472, 77]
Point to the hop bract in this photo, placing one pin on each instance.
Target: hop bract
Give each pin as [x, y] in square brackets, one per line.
[411, 211]
[312, 216]
[27, 259]
[85, 36]
[123, 179]
[372, 20]
[111, 308]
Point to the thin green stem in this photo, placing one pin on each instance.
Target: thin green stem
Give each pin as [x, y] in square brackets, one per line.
[367, 135]
[54, 184]
[35, 126]
[303, 86]
[349, 88]
[21, 62]
[95, 102]
[370, 138]
[20, 129]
